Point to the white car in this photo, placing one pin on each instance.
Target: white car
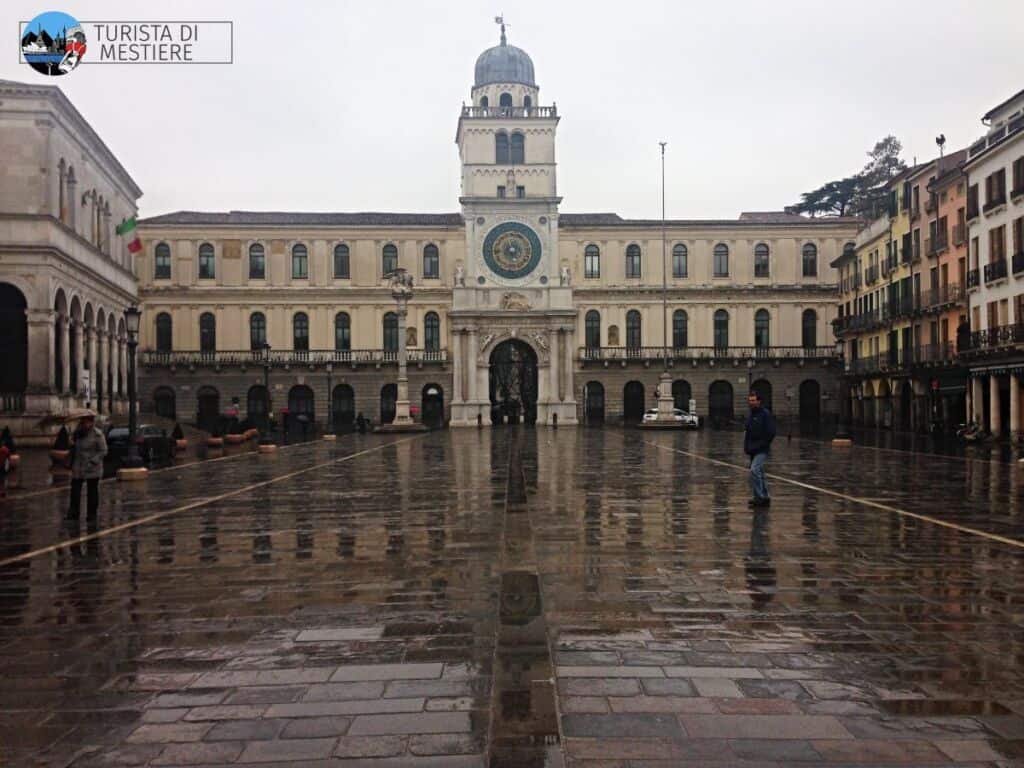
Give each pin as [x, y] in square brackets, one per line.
[690, 420]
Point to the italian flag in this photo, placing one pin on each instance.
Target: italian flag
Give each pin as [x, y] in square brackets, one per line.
[126, 229]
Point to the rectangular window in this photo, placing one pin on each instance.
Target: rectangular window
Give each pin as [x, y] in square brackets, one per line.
[501, 192]
[997, 244]
[592, 263]
[972, 201]
[520, 192]
[1018, 176]
[162, 263]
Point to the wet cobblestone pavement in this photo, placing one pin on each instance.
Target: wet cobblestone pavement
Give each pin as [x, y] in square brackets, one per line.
[597, 598]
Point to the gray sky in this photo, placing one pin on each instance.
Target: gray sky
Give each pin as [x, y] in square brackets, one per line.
[346, 106]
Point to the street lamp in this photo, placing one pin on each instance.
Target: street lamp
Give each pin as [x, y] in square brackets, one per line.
[842, 435]
[265, 426]
[132, 466]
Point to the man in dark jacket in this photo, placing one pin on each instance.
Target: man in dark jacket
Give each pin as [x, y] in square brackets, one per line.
[758, 433]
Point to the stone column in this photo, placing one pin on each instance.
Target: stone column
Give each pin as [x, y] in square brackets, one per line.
[115, 359]
[79, 354]
[977, 401]
[64, 329]
[457, 366]
[40, 351]
[99, 386]
[994, 412]
[1015, 426]
[91, 333]
[553, 366]
[471, 365]
[565, 378]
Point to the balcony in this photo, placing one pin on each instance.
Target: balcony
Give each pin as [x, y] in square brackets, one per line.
[1018, 190]
[931, 204]
[941, 353]
[915, 211]
[1018, 262]
[994, 203]
[973, 278]
[995, 271]
[936, 245]
[864, 365]
[1001, 339]
[941, 297]
[624, 355]
[865, 321]
[280, 358]
[504, 112]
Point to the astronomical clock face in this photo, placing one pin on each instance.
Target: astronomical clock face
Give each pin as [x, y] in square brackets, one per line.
[512, 250]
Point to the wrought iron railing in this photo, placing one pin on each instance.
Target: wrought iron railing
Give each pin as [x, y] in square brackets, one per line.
[992, 339]
[280, 357]
[973, 278]
[995, 270]
[618, 354]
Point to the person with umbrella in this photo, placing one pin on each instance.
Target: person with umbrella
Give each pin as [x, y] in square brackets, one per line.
[88, 448]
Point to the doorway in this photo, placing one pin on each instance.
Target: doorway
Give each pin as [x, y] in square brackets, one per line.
[513, 383]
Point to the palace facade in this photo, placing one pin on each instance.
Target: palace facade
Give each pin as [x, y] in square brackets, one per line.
[519, 310]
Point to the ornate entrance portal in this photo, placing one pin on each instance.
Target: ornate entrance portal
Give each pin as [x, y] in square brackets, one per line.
[513, 383]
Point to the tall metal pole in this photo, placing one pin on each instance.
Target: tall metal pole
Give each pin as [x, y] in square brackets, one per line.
[664, 264]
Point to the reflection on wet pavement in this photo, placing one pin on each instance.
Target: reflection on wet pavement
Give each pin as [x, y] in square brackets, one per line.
[520, 597]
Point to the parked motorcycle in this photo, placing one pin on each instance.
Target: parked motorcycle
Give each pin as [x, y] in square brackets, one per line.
[971, 432]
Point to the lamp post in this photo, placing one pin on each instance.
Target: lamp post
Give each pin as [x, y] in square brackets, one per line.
[132, 467]
[842, 435]
[666, 418]
[329, 435]
[266, 441]
[401, 290]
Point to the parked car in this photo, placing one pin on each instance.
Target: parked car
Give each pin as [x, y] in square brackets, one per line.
[154, 444]
[689, 420]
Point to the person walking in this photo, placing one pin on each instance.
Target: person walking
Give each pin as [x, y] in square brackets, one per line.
[87, 452]
[758, 433]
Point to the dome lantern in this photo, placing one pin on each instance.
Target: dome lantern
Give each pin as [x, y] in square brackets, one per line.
[504, 63]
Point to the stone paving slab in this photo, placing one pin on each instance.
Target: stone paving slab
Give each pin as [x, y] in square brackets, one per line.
[343, 619]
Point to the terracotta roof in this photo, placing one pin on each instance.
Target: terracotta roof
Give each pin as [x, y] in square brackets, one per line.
[997, 107]
[287, 218]
[569, 220]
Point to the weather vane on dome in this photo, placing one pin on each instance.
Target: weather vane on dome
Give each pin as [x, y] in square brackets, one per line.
[501, 20]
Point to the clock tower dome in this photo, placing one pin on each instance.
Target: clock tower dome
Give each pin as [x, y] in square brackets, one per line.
[512, 291]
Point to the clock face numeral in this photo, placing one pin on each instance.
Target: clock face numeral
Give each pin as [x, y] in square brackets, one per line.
[512, 250]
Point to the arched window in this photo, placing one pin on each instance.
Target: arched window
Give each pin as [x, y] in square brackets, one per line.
[679, 265]
[300, 262]
[389, 262]
[501, 148]
[721, 260]
[810, 260]
[341, 264]
[633, 334]
[527, 102]
[592, 329]
[162, 262]
[342, 332]
[484, 102]
[431, 332]
[257, 330]
[391, 332]
[257, 262]
[809, 329]
[680, 332]
[300, 332]
[761, 260]
[163, 399]
[431, 261]
[164, 335]
[505, 100]
[206, 262]
[518, 152]
[592, 261]
[633, 260]
[721, 330]
[762, 324]
[207, 332]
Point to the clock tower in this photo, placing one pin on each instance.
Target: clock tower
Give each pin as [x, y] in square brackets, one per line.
[512, 319]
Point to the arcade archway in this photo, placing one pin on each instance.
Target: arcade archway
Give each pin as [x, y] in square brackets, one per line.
[513, 383]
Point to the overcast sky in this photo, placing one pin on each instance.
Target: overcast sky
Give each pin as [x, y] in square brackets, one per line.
[352, 106]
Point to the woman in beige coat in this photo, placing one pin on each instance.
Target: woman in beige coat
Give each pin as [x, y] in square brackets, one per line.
[87, 451]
